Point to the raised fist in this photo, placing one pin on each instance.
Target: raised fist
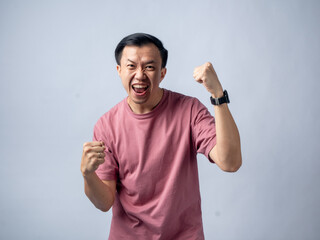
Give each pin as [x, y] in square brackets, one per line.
[92, 156]
[206, 75]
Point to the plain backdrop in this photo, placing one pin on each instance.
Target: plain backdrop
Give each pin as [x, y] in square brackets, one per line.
[58, 76]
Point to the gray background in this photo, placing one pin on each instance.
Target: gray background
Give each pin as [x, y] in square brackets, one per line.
[58, 77]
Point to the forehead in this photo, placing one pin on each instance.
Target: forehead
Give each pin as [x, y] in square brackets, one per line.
[143, 53]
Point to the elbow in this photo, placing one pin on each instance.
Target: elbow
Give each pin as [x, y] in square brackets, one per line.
[102, 205]
[233, 163]
[232, 168]
[104, 208]
[228, 158]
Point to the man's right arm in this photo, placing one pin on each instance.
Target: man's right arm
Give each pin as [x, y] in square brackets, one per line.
[101, 193]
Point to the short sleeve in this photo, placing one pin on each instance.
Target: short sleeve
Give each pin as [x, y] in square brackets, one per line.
[109, 169]
[203, 128]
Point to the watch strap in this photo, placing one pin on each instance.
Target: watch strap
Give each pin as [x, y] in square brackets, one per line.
[221, 100]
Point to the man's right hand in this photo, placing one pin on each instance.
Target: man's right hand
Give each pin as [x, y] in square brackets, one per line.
[100, 193]
[92, 156]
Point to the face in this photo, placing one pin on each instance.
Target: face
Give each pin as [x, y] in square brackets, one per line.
[141, 73]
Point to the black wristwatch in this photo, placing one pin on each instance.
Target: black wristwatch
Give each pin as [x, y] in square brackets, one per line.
[219, 101]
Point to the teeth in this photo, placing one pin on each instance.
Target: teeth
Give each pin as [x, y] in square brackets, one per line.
[139, 86]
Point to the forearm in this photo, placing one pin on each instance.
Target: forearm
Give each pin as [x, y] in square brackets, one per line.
[100, 194]
[228, 149]
[227, 152]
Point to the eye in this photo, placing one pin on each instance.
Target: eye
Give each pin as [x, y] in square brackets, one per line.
[130, 66]
[150, 68]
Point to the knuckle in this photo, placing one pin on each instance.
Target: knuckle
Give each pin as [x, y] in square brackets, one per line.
[86, 150]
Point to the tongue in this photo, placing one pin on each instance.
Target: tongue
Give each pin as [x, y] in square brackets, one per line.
[139, 90]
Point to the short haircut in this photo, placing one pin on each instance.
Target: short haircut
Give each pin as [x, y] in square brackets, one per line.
[141, 39]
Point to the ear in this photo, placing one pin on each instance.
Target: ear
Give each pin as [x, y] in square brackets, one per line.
[163, 73]
[118, 69]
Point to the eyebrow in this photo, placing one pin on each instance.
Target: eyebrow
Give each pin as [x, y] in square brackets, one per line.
[151, 61]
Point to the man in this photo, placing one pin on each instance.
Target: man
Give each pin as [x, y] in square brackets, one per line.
[142, 161]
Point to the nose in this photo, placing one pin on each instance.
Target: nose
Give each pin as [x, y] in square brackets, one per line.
[140, 74]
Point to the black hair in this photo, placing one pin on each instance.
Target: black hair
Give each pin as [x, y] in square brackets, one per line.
[141, 39]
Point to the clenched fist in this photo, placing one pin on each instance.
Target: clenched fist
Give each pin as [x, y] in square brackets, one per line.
[92, 156]
[206, 75]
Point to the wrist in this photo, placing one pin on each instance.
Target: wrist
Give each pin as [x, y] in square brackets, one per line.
[87, 174]
[217, 94]
[220, 100]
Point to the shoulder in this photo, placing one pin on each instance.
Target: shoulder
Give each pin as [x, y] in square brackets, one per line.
[110, 116]
[181, 98]
[109, 123]
[190, 106]
[186, 101]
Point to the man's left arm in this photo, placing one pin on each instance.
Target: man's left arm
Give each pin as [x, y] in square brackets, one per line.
[227, 151]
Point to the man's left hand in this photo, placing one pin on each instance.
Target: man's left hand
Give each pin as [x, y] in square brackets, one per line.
[206, 75]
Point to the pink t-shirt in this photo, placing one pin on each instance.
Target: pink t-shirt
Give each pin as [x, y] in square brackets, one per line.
[152, 157]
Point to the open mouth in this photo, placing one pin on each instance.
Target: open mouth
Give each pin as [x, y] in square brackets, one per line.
[140, 89]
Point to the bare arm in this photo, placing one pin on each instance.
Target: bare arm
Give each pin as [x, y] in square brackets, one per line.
[100, 193]
[227, 152]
